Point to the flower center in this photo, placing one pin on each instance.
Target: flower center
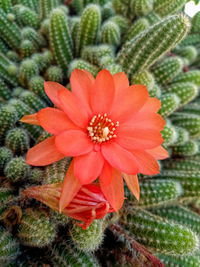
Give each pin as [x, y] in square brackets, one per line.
[101, 128]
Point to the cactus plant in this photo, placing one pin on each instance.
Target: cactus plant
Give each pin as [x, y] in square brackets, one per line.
[153, 44]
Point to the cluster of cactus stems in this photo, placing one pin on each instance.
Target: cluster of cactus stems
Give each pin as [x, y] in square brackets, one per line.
[156, 45]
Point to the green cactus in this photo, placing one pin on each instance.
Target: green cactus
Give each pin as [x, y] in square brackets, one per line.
[189, 148]
[27, 70]
[155, 91]
[88, 28]
[54, 74]
[3, 47]
[67, 255]
[9, 248]
[182, 136]
[141, 7]
[189, 180]
[9, 32]
[179, 261]
[32, 4]
[95, 53]
[31, 100]
[36, 175]
[191, 39]
[169, 134]
[46, 6]
[110, 33]
[185, 91]
[5, 156]
[165, 71]
[196, 23]
[180, 214]
[26, 17]
[56, 171]
[163, 36]
[60, 38]
[35, 229]
[36, 85]
[145, 78]
[46, 40]
[188, 53]
[32, 35]
[192, 108]
[83, 65]
[17, 170]
[192, 76]
[166, 7]
[182, 165]
[89, 239]
[151, 231]
[27, 48]
[107, 11]
[39, 59]
[8, 70]
[170, 102]
[121, 22]
[17, 140]
[13, 56]
[190, 122]
[152, 18]
[155, 192]
[8, 119]
[5, 93]
[137, 27]
[6, 5]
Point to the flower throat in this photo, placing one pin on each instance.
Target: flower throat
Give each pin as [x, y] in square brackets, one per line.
[102, 129]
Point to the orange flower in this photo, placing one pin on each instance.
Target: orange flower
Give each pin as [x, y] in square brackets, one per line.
[88, 204]
[111, 129]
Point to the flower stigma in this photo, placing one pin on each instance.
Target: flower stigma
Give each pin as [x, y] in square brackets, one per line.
[102, 129]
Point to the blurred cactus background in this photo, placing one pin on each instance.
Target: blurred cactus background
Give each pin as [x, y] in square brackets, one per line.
[155, 44]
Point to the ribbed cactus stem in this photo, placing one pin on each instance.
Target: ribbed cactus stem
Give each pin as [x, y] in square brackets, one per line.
[35, 229]
[152, 230]
[155, 192]
[166, 7]
[89, 239]
[60, 38]
[46, 6]
[88, 28]
[148, 46]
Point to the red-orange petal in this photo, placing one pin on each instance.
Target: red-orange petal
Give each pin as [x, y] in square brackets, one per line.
[114, 192]
[73, 143]
[119, 158]
[31, 119]
[133, 184]
[54, 121]
[158, 152]
[88, 167]
[147, 164]
[72, 106]
[152, 105]
[128, 102]
[133, 138]
[146, 121]
[70, 188]
[103, 92]
[52, 89]
[121, 82]
[106, 174]
[44, 153]
[81, 83]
